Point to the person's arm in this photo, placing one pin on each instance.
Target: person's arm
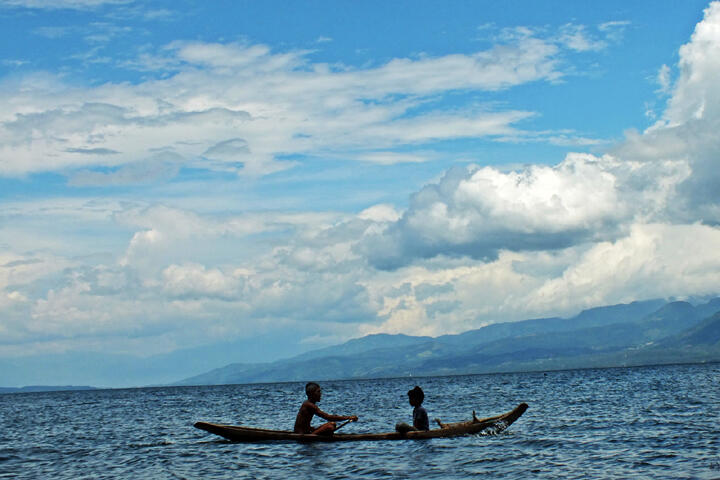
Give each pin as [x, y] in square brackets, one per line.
[333, 418]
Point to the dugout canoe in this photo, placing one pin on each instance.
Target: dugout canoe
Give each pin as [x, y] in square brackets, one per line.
[490, 425]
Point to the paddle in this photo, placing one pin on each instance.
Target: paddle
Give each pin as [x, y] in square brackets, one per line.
[343, 424]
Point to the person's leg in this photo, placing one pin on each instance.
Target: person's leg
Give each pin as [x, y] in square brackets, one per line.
[402, 428]
[326, 429]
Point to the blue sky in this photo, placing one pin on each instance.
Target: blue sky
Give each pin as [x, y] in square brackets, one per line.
[176, 175]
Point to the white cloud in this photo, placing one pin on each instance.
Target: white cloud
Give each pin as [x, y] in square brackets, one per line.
[669, 173]
[653, 261]
[380, 213]
[17, 272]
[614, 30]
[391, 158]
[480, 211]
[236, 57]
[155, 169]
[577, 38]
[192, 280]
[181, 224]
[687, 131]
[480, 245]
[316, 277]
[663, 79]
[236, 107]
[696, 94]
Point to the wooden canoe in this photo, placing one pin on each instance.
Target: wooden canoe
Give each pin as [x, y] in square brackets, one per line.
[486, 425]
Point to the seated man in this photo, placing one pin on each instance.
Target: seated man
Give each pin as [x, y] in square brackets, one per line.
[309, 408]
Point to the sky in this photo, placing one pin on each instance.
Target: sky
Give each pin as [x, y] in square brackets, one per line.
[290, 175]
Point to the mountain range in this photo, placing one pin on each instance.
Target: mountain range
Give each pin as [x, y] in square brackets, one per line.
[45, 388]
[638, 333]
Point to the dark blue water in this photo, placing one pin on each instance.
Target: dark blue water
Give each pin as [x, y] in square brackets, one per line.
[649, 422]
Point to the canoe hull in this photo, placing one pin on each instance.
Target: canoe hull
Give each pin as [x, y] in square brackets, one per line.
[487, 425]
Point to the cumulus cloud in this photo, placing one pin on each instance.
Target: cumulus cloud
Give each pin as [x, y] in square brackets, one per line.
[696, 94]
[480, 211]
[380, 213]
[668, 173]
[651, 261]
[687, 131]
[192, 280]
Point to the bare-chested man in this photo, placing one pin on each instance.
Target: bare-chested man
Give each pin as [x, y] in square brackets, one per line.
[309, 408]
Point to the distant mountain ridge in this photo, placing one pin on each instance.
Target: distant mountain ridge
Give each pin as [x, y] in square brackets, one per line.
[645, 332]
[45, 388]
[707, 332]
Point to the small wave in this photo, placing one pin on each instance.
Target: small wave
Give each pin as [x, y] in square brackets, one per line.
[8, 458]
[660, 456]
[178, 476]
[214, 442]
[160, 443]
[482, 461]
[494, 429]
[543, 442]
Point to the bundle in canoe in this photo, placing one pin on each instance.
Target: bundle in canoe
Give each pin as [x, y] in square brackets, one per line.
[491, 424]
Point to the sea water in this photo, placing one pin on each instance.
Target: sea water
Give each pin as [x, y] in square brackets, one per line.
[646, 422]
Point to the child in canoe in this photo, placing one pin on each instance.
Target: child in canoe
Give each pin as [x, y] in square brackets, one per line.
[309, 408]
[420, 416]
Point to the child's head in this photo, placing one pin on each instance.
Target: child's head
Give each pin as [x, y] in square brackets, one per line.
[416, 396]
[313, 391]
